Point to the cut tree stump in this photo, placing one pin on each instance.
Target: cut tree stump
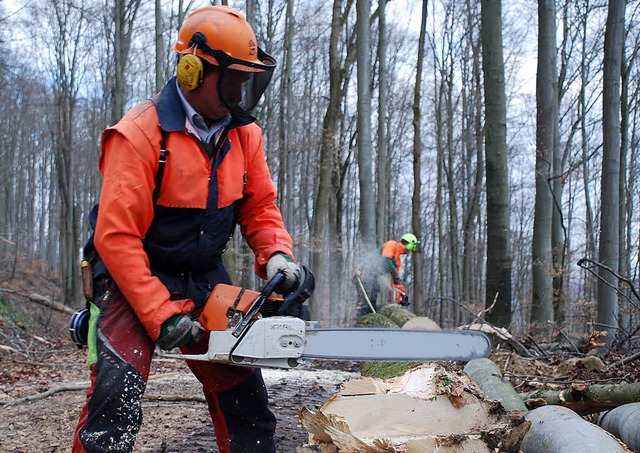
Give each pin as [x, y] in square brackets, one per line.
[559, 429]
[624, 423]
[487, 375]
[586, 399]
[427, 409]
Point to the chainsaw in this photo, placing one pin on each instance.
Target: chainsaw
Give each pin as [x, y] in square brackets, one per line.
[258, 329]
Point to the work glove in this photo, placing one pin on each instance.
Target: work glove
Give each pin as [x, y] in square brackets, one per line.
[177, 331]
[280, 262]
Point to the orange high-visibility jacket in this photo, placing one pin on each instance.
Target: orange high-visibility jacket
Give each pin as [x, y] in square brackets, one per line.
[391, 251]
[186, 227]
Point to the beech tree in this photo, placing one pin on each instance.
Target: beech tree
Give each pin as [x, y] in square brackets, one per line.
[610, 202]
[498, 284]
[546, 126]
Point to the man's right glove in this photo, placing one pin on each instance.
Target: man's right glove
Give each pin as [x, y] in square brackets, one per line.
[177, 331]
[280, 262]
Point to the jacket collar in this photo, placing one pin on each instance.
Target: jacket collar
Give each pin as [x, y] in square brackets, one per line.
[171, 114]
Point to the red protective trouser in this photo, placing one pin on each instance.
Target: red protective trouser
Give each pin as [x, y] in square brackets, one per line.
[112, 414]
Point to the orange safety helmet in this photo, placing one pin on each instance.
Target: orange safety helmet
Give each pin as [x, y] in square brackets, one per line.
[225, 29]
[222, 36]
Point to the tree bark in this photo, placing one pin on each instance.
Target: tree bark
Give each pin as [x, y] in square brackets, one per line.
[383, 148]
[609, 215]
[546, 119]
[365, 153]
[159, 60]
[416, 199]
[472, 211]
[123, 16]
[498, 283]
[318, 238]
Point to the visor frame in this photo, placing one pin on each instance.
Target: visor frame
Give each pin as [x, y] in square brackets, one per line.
[260, 76]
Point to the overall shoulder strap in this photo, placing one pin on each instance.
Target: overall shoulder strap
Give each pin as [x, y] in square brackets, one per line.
[164, 154]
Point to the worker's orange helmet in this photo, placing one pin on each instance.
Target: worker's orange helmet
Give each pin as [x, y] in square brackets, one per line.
[222, 36]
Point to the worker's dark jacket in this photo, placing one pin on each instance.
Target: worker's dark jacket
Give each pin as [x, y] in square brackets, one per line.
[153, 250]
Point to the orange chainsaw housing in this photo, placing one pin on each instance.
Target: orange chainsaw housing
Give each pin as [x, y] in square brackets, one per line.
[223, 302]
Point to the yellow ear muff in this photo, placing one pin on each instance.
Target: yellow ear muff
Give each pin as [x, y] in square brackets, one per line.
[189, 72]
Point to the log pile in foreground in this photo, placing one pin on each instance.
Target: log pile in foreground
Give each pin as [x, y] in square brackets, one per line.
[432, 408]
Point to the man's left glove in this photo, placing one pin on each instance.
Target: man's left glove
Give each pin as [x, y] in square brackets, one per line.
[177, 331]
[280, 262]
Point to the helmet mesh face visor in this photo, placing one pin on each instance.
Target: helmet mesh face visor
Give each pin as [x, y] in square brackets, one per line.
[242, 84]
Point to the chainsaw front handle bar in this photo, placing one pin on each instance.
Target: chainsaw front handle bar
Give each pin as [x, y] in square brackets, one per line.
[267, 290]
[300, 294]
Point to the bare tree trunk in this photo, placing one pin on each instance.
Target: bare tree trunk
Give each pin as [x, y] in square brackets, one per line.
[450, 173]
[365, 152]
[68, 23]
[610, 203]
[624, 194]
[546, 100]
[124, 15]
[159, 46]
[590, 239]
[416, 200]
[286, 195]
[382, 161]
[474, 148]
[498, 284]
[327, 153]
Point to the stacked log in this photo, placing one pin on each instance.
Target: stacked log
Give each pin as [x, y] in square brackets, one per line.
[489, 378]
[586, 399]
[557, 428]
[624, 423]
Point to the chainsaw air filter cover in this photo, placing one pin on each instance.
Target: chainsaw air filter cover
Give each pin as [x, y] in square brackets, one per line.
[79, 327]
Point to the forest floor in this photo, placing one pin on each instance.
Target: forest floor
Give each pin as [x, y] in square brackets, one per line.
[37, 356]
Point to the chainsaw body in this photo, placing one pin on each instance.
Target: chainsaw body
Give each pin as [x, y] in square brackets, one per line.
[255, 329]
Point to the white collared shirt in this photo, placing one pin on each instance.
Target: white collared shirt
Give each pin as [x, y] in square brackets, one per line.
[195, 123]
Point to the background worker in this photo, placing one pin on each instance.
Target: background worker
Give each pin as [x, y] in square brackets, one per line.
[381, 272]
[162, 240]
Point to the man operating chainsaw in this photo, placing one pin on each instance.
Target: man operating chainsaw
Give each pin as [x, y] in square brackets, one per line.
[179, 172]
[382, 272]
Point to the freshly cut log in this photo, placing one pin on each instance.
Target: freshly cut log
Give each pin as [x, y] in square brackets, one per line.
[624, 423]
[427, 409]
[586, 399]
[487, 375]
[558, 429]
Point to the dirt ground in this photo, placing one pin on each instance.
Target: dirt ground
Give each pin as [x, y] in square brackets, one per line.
[37, 356]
